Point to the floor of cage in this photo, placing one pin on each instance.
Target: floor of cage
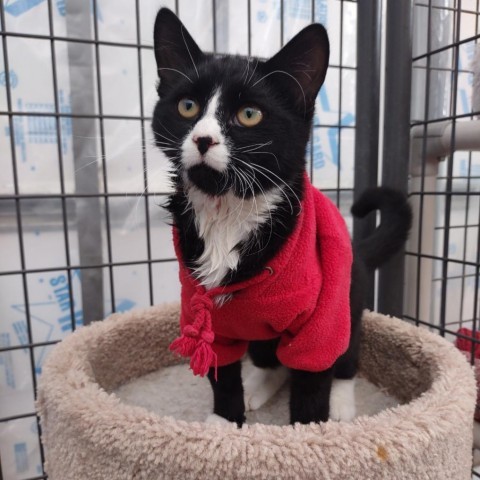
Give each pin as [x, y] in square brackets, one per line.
[175, 392]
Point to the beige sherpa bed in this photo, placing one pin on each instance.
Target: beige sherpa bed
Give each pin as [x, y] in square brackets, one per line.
[90, 433]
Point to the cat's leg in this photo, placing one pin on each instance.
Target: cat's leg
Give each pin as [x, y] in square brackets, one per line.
[228, 401]
[342, 398]
[267, 375]
[310, 396]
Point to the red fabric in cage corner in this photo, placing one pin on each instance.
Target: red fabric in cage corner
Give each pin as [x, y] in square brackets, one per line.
[465, 345]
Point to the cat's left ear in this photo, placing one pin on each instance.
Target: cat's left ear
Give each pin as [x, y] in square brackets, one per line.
[300, 67]
[176, 53]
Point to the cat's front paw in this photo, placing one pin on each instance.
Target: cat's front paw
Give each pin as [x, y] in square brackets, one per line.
[261, 385]
[239, 420]
[342, 400]
[216, 419]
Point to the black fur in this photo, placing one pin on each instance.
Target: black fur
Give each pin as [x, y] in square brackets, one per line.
[392, 233]
[310, 396]
[284, 88]
[227, 388]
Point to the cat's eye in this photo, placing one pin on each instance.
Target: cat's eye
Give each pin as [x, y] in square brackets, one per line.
[249, 116]
[188, 107]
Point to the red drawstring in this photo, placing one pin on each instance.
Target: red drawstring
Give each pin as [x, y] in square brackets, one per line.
[196, 339]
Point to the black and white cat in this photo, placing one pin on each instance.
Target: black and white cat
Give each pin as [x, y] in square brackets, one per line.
[235, 130]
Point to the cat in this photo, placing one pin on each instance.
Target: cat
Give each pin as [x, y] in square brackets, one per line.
[235, 131]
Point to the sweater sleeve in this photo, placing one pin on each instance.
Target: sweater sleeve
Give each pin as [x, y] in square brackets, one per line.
[315, 339]
[313, 343]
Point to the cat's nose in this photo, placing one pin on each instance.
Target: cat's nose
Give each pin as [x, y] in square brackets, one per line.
[204, 143]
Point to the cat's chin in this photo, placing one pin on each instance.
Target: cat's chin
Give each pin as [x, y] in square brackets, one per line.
[208, 180]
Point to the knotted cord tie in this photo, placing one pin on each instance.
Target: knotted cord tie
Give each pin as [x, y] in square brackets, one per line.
[196, 339]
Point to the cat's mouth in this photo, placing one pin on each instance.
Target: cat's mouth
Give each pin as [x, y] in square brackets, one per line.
[210, 181]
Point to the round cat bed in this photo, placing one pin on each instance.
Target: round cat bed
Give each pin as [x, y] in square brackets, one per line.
[89, 433]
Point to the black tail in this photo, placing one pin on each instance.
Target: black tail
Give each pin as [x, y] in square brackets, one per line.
[392, 233]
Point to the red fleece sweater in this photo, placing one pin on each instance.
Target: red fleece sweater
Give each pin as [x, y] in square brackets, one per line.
[301, 297]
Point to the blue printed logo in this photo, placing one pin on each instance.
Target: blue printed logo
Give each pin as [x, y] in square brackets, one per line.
[19, 136]
[43, 322]
[41, 129]
[321, 12]
[6, 360]
[21, 457]
[469, 168]
[13, 77]
[262, 16]
[19, 7]
[124, 305]
[320, 157]
[463, 97]
[300, 9]
[61, 7]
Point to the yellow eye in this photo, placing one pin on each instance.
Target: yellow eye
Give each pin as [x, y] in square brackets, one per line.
[249, 116]
[188, 108]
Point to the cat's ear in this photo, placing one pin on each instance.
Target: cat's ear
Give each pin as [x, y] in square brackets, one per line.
[301, 66]
[176, 53]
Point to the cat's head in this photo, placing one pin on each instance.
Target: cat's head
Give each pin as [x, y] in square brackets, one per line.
[232, 123]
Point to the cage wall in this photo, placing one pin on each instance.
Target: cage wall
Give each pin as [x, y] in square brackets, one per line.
[82, 230]
[445, 190]
[442, 278]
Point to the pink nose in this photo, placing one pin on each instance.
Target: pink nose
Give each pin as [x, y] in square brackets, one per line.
[204, 143]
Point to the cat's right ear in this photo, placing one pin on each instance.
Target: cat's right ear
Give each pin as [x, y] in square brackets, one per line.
[176, 53]
[301, 65]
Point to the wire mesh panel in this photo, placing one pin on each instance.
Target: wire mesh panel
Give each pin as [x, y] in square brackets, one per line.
[443, 252]
[441, 104]
[82, 230]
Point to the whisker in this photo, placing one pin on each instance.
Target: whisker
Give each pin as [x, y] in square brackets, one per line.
[242, 201]
[253, 73]
[293, 78]
[142, 194]
[253, 182]
[281, 180]
[188, 50]
[270, 216]
[164, 137]
[254, 200]
[167, 130]
[245, 73]
[177, 71]
[252, 166]
[254, 146]
[267, 153]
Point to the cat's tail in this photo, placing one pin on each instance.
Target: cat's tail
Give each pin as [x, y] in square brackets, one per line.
[392, 233]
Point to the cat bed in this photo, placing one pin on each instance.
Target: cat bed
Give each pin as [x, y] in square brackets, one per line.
[89, 432]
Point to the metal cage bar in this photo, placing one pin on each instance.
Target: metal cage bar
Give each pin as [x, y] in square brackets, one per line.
[396, 139]
[369, 28]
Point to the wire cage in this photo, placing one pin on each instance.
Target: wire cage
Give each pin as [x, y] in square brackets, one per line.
[442, 257]
[82, 230]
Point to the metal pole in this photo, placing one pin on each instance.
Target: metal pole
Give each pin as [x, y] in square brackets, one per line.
[369, 22]
[396, 140]
[89, 228]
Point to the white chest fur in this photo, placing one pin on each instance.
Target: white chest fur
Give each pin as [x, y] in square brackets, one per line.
[223, 223]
